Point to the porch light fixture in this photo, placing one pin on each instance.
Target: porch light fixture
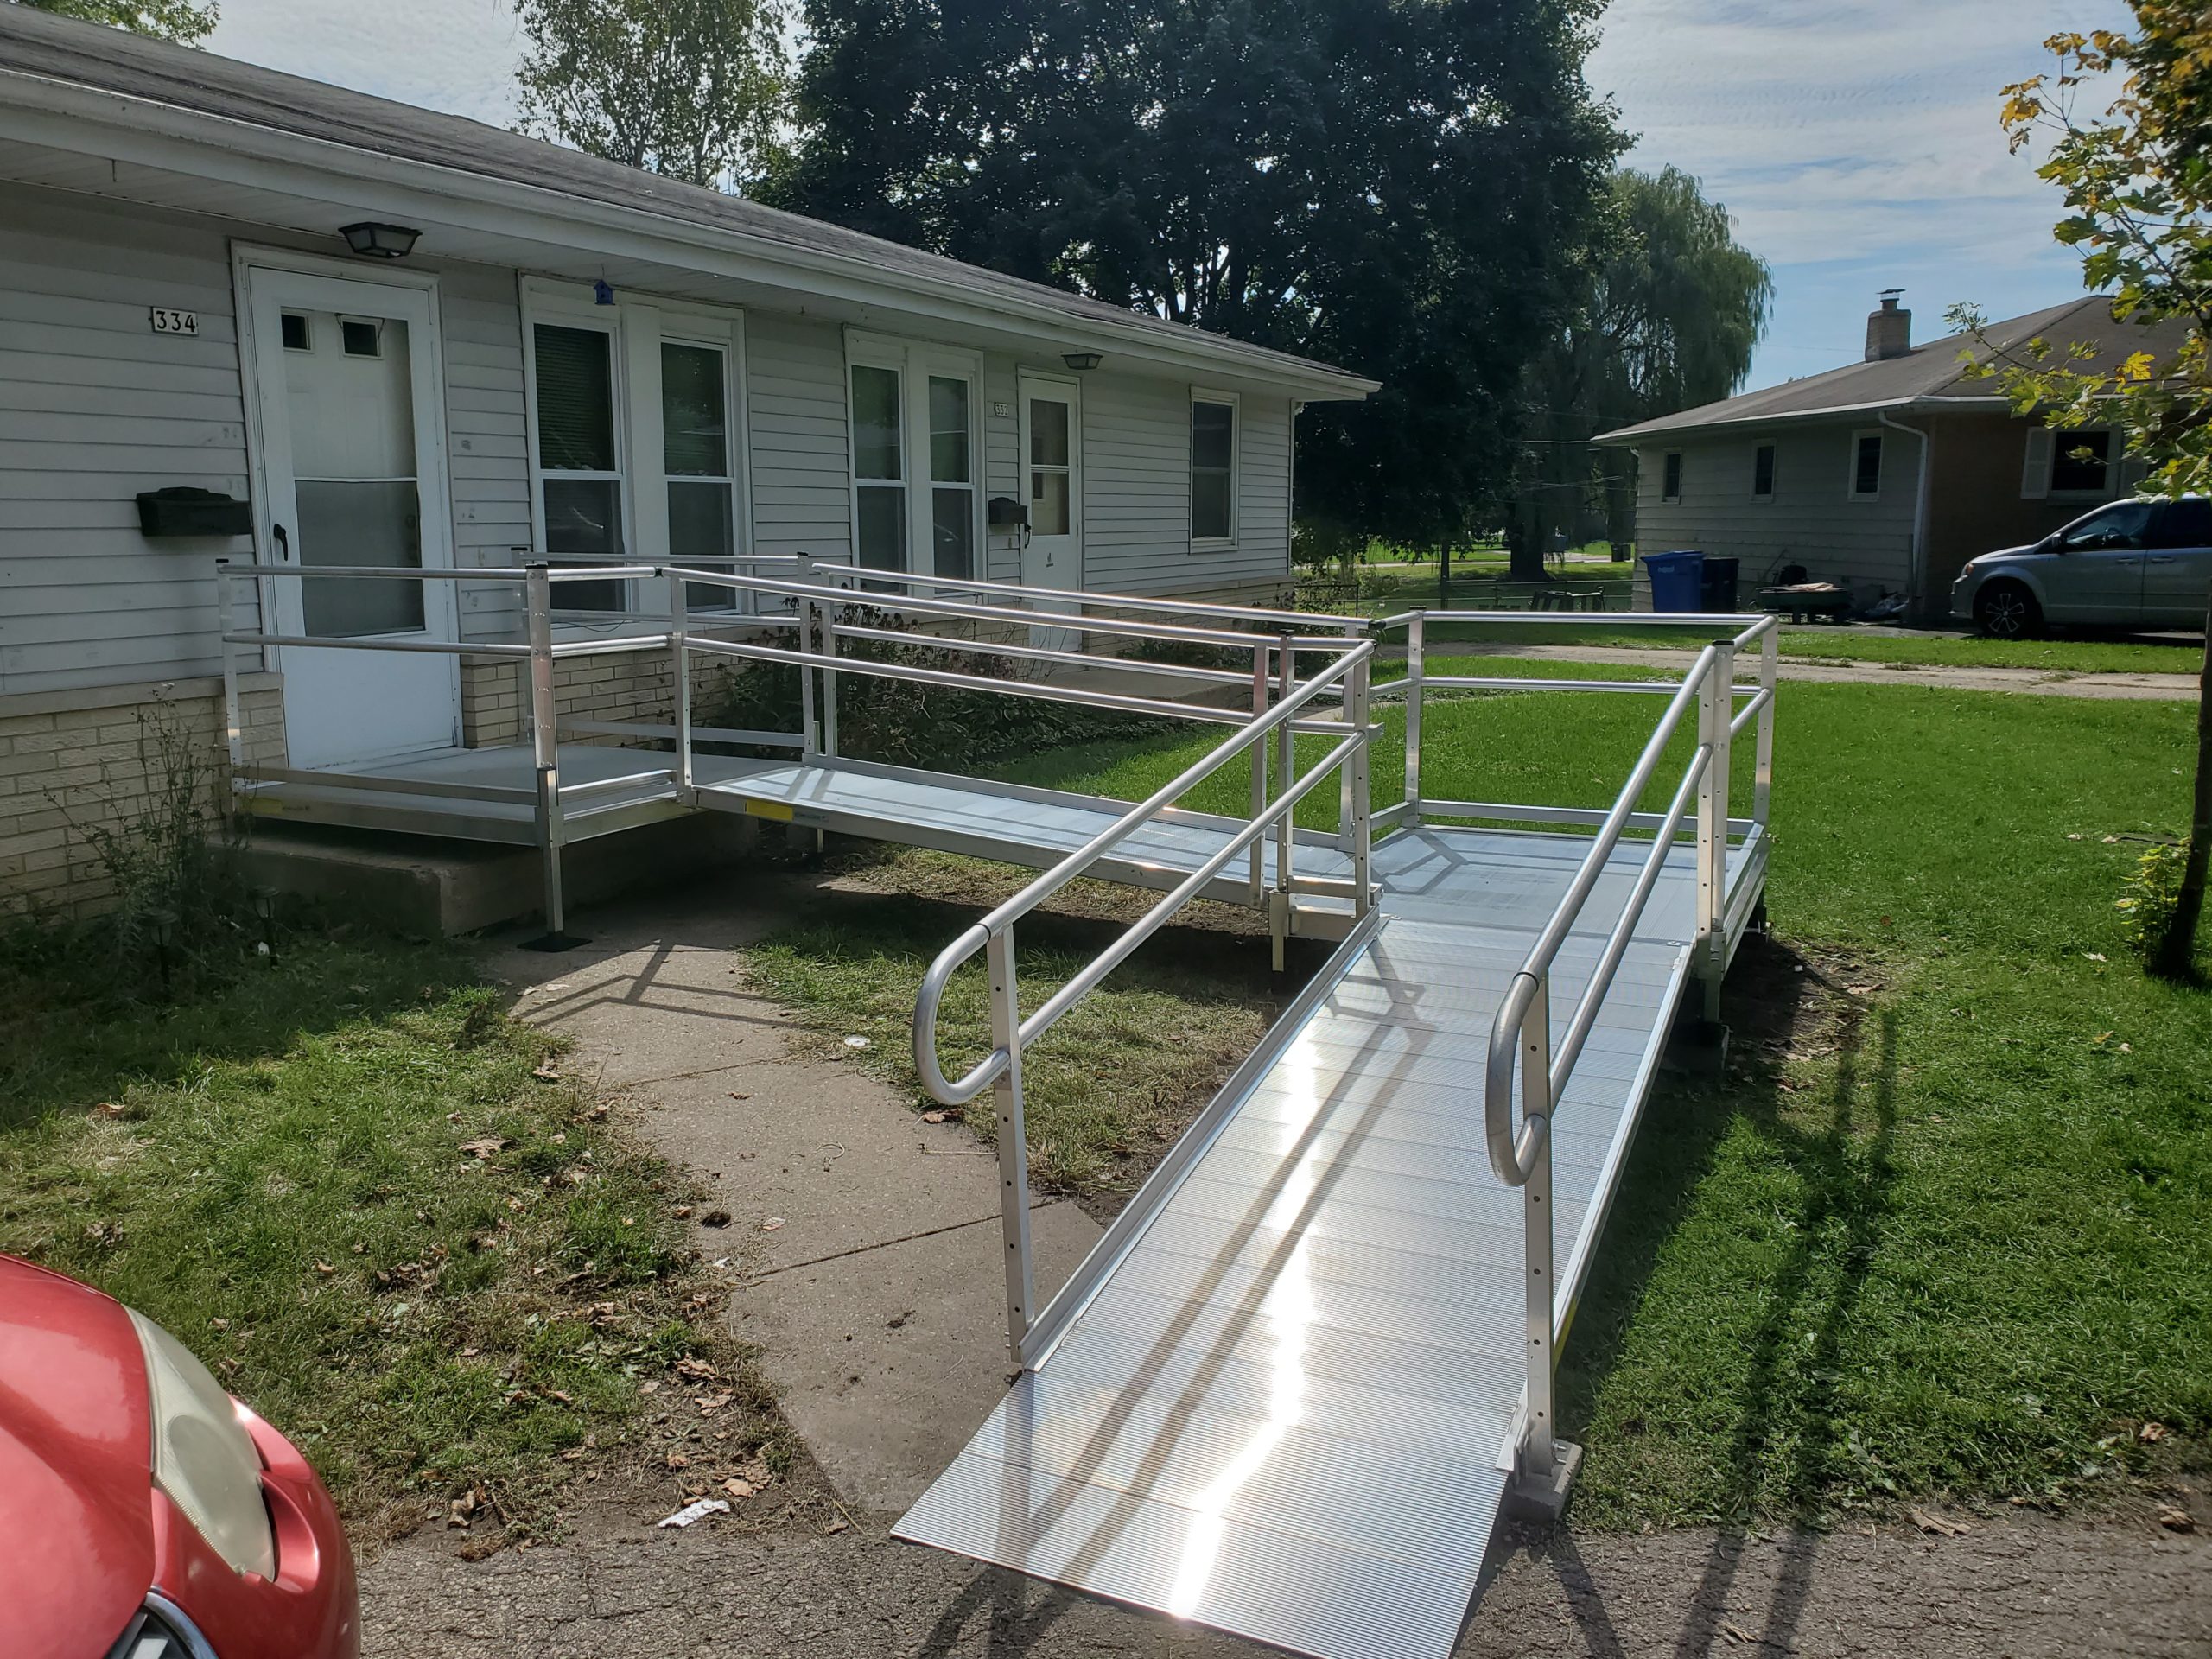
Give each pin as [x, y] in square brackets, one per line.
[375, 241]
[1081, 360]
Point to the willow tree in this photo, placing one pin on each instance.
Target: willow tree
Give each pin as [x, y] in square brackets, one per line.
[1669, 311]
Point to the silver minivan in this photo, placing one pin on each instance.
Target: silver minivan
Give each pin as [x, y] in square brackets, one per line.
[2132, 564]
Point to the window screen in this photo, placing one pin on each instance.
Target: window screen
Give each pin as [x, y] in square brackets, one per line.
[1213, 443]
[1867, 465]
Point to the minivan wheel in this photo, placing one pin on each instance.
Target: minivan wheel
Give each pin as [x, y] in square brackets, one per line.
[2006, 610]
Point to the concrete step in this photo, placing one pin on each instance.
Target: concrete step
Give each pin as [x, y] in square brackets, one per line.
[426, 886]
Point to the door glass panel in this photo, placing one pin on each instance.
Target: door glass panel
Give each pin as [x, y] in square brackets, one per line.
[352, 420]
[695, 433]
[369, 521]
[883, 527]
[1048, 504]
[1048, 432]
[948, 430]
[875, 423]
[952, 522]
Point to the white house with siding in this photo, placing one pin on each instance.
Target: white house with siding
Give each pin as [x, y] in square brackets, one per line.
[570, 360]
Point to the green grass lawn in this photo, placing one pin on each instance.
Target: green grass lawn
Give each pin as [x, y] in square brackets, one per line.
[364, 1198]
[2070, 656]
[1941, 1230]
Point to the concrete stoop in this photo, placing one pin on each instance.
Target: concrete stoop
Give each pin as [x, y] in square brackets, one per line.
[426, 886]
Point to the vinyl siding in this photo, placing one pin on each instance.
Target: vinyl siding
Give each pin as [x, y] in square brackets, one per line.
[1136, 491]
[795, 406]
[479, 319]
[95, 407]
[1809, 520]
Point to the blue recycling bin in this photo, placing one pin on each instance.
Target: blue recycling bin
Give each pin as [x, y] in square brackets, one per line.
[1677, 579]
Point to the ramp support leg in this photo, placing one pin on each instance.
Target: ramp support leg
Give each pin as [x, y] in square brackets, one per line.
[545, 750]
[1013, 1145]
[1546, 1466]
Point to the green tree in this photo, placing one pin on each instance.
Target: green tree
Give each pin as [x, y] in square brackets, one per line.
[171, 20]
[694, 89]
[2138, 182]
[1396, 186]
[1669, 311]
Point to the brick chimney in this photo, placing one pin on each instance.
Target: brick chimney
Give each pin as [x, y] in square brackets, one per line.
[1889, 331]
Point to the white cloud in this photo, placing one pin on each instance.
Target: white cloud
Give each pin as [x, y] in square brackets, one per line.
[1856, 143]
[454, 55]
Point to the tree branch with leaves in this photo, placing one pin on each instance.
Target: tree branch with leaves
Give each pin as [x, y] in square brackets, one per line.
[2138, 182]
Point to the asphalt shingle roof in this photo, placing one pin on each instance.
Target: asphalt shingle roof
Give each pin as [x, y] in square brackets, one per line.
[113, 60]
[1932, 371]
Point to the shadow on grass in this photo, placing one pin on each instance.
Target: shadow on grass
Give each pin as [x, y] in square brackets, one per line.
[1838, 1154]
[66, 1057]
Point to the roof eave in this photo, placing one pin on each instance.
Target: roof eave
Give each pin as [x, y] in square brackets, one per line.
[1629, 436]
[58, 113]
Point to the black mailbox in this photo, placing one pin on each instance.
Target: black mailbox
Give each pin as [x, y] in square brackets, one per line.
[1007, 514]
[181, 511]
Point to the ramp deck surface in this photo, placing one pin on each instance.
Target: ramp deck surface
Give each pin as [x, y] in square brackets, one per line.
[1285, 1409]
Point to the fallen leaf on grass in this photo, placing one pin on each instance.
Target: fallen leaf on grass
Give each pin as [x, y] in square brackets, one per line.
[2175, 1519]
[478, 1549]
[771, 1223]
[682, 1212]
[688, 1366]
[738, 1489]
[940, 1117]
[110, 1109]
[2150, 1433]
[547, 1071]
[461, 1511]
[858, 1042]
[835, 1528]
[1938, 1524]
[677, 1460]
[325, 1269]
[486, 1146]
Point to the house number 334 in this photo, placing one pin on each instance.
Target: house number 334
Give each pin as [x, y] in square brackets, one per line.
[167, 321]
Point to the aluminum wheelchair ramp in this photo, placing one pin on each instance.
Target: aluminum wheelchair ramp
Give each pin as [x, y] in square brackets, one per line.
[1285, 1404]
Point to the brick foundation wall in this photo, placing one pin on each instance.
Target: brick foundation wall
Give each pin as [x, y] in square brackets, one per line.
[72, 759]
[626, 685]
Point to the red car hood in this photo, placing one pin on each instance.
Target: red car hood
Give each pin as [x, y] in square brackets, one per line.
[76, 1516]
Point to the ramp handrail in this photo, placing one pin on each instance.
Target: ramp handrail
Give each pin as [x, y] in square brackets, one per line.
[994, 934]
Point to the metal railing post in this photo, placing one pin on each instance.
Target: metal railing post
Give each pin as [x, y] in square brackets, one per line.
[1537, 1454]
[830, 684]
[1416, 658]
[1286, 775]
[1259, 878]
[1012, 1138]
[810, 732]
[233, 728]
[1361, 791]
[545, 736]
[1716, 709]
[679, 656]
[1763, 775]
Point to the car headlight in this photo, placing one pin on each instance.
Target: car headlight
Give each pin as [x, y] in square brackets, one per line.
[203, 1458]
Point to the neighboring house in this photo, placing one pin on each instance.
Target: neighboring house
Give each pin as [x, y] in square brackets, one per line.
[1886, 476]
[571, 358]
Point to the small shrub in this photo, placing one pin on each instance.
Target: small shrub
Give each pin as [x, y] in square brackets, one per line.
[906, 722]
[2148, 901]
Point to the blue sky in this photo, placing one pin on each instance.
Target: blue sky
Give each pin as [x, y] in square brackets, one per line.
[1855, 141]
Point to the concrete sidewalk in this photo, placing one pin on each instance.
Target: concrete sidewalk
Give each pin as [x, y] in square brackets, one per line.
[862, 1245]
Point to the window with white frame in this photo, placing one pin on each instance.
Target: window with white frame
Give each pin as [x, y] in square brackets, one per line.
[2080, 465]
[635, 438]
[916, 505]
[1213, 468]
[1866, 466]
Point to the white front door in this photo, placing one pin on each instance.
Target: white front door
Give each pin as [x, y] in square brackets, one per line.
[1052, 489]
[351, 472]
